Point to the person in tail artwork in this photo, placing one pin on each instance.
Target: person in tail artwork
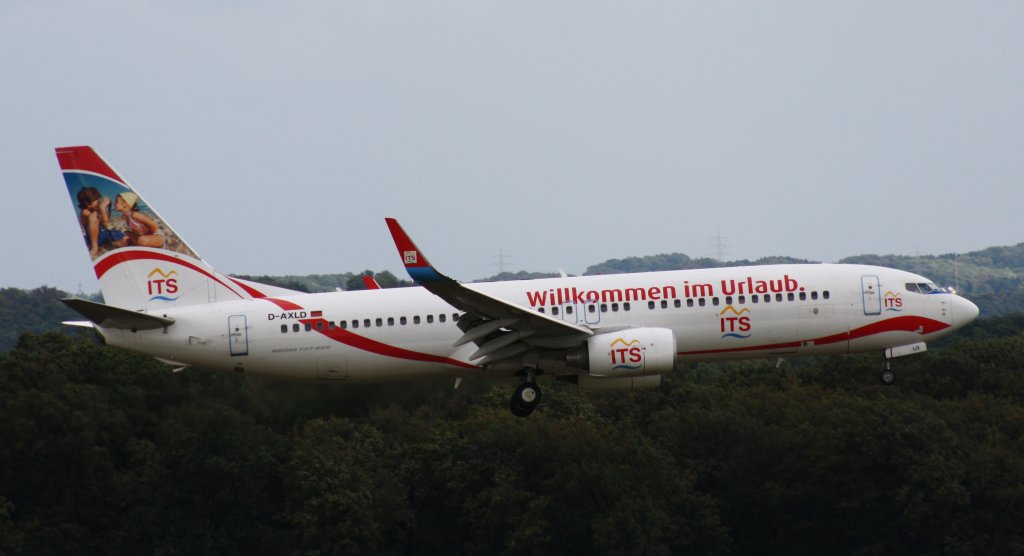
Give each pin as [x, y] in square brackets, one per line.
[142, 230]
[95, 219]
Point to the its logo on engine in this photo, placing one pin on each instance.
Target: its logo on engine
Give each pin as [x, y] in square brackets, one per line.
[630, 355]
[892, 301]
[733, 323]
[162, 287]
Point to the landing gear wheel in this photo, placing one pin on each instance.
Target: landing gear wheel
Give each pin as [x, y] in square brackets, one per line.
[887, 377]
[525, 399]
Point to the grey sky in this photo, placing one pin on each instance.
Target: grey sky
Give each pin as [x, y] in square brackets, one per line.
[276, 136]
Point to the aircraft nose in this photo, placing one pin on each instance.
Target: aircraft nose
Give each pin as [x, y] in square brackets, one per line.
[964, 311]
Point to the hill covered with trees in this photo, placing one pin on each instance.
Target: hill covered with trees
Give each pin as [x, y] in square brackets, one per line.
[108, 452]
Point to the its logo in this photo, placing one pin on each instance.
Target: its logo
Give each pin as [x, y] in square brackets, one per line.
[629, 356]
[892, 301]
[410, 257]
[735, 324]
[163, 286]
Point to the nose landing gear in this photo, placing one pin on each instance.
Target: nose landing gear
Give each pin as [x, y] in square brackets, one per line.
[887, 376]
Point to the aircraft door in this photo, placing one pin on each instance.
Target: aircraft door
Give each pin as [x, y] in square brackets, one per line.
[238, 335]
[591, 313]
[869, 292]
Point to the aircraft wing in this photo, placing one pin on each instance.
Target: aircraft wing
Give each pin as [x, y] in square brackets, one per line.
[501, 329]
[109, 316]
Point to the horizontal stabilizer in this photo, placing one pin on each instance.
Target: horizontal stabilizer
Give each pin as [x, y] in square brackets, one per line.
[109, 316]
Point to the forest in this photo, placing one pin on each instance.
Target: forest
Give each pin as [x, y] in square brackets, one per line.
[108, 452]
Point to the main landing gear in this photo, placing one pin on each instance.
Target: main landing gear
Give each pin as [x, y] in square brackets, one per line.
[526, 397]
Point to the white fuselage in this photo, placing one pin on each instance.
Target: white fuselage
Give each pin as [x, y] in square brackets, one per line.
[405, 333]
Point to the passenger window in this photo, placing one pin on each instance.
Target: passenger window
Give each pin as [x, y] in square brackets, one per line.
[295, 327]
[320, 325]
[664, 304]
[554, 310]
[714, 301]
[541, 309]
[331, 326]
[728, 300]
[355, 323]
[592, 308]
[689, 302]
[309, 327]
[604, 307]
[568, 310]
[625, 306]
[742, 299]
[391, 321]
[678, 303]
[701, 302]
[650, 304]
[403, 321]
[778, 297]
[814, 295]
[790, 296]
[803, 296]
[430, 319]
[284, 328]
[615, 307]
[442, 317]
[767, 298]
[366, 323]
[455, 317]
[380, 322]
[824, 294]
[416, 319]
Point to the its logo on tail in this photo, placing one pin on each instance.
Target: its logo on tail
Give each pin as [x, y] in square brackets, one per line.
[160, 288]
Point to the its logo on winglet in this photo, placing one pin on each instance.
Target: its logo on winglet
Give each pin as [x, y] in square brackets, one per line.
[161, 288]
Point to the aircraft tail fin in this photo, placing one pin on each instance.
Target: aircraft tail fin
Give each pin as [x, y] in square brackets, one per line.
[140, 261]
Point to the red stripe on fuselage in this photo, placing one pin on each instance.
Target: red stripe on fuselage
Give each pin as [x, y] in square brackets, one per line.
[286, 305]
[897, 324]
[373, 346]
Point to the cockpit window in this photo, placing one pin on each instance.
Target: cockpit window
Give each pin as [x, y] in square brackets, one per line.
[924, 287]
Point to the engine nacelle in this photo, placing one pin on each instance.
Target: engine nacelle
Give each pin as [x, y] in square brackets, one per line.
[587, 383]
[632, 352]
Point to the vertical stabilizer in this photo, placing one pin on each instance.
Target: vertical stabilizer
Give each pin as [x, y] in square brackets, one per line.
[140, 261]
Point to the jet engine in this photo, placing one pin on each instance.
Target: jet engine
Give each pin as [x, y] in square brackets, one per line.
[631, 352]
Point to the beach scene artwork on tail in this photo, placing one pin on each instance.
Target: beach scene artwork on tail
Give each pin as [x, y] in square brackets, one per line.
[111, 214]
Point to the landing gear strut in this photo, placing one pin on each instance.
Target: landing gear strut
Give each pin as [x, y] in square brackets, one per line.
[526, 397]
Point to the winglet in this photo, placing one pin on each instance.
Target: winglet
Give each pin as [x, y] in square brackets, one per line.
[415, 262]
[370, 282]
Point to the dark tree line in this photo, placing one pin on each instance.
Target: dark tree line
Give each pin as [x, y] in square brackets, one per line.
[107, 452]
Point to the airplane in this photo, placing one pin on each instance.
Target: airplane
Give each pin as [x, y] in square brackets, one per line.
[603, 333]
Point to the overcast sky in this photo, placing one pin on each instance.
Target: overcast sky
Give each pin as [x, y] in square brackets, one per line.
[276, 136]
